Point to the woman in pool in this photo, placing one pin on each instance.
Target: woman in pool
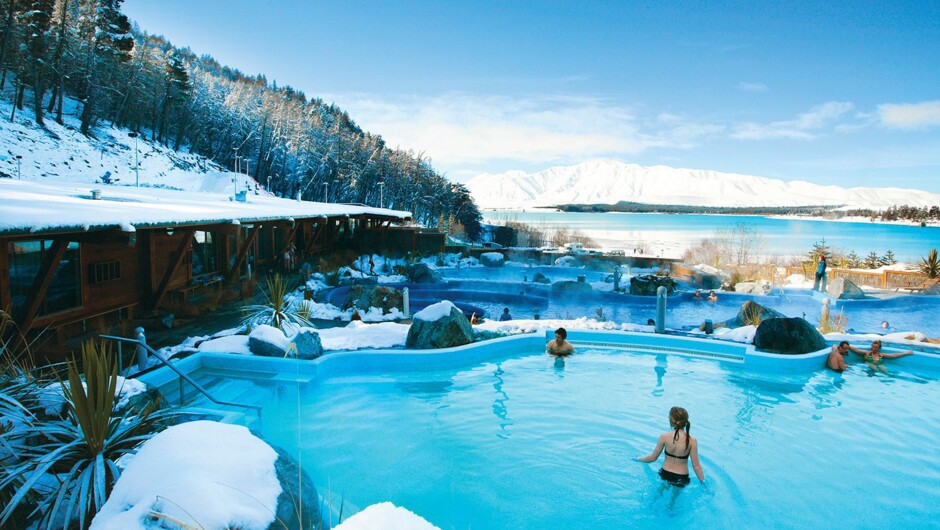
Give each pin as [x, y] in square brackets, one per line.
[680, 446]
[875, 358]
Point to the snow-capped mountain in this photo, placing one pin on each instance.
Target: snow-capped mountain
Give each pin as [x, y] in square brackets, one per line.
[610, 181]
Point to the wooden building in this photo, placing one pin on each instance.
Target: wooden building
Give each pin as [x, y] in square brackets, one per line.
[69, 253]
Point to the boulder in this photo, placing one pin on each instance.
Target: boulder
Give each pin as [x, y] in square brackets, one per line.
[570, 287]
[267, 341]
[541, 278]
[788, 336]
[567, 261]
[492, 259]
[306, 344]
[933, 290]
[422, 273]
[749, 309]
[298, 505]
[844, 289]
[751, 288]
[364, 297]
[439, 325]
[711, 282]
[647, 284]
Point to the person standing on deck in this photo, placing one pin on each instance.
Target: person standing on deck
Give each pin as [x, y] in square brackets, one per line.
[820, 275]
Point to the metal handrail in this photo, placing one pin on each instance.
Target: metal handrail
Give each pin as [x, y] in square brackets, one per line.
[184, 377]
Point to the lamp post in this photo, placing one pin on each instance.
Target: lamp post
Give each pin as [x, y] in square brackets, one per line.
[19, 159]
[326, 191]
[381, 194]
[134, 135]
[235, 178]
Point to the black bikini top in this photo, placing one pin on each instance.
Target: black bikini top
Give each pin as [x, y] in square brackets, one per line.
[686, 457]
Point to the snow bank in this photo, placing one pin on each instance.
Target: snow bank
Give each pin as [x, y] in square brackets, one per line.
[385, 516]
[358, 335]
[203, 473]
[435, 312]
[271, 335]
[516, 327]
[232, 344]
[52, 396]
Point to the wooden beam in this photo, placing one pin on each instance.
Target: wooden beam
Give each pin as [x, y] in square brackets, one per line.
[287, 241]
[242, 253]
[175, 260]
[41, 283]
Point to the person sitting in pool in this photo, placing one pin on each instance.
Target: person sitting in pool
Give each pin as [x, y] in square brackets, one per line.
[875, 358]
[712, 297]
[560, 347]
[679, 446]
[697, 295]
[836, 360]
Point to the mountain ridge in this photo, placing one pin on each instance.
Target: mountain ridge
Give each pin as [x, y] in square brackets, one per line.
[604, 181]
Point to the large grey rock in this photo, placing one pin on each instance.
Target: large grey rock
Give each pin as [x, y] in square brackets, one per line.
[451, 330]
[647, 284]
[570, 287]
[306, 345]
[844, 289]
[422, 273]
[749, 310]
[789, 336]
[933, 290]
[751, 288]
[298, 505]
[364, 297]
[540, 278]
[267, 341]
[492, 259]
[711, 281]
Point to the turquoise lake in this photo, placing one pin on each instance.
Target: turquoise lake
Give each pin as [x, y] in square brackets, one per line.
[672, 233]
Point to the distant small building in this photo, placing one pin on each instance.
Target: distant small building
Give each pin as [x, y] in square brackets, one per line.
[69, 253]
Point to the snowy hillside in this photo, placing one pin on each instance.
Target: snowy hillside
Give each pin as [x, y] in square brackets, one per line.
[609, 181]
[62, 154]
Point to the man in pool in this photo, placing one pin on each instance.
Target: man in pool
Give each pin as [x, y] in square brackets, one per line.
[712, 297]
[560, 347]
[836, 360]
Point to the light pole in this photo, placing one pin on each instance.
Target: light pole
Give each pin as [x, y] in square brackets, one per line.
[326, 191]
[247, 171]
[134, 135]
[269, 184]
[235, 179]
[381, 194]
[19, 159]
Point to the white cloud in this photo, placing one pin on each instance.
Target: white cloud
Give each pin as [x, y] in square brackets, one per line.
[752, 87]
[910, 115]
[458, 130]
[805, 126]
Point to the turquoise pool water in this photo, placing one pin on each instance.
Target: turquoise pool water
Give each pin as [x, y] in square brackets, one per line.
[520, 442]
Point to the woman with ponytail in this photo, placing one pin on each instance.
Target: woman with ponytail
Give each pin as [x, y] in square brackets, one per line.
[679, 446]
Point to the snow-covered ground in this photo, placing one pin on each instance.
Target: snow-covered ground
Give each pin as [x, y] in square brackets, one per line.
[201, 474]
[60, 153]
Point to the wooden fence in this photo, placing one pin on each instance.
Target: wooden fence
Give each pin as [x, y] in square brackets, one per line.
[887, 279]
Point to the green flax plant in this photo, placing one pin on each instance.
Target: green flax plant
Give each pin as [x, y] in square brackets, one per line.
[277, 311]
[66, 474]
[931, 264]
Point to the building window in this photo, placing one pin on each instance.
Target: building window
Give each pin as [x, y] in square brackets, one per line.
[104, 271]
[205, 253]
[65, 289]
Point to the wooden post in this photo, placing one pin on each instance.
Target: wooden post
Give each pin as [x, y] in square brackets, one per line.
[242, 253]
[175, 262]
[41, 283]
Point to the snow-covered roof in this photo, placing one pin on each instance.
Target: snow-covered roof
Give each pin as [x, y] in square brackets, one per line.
[31, 207]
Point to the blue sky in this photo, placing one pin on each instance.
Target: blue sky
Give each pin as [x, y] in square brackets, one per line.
[830, 93]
